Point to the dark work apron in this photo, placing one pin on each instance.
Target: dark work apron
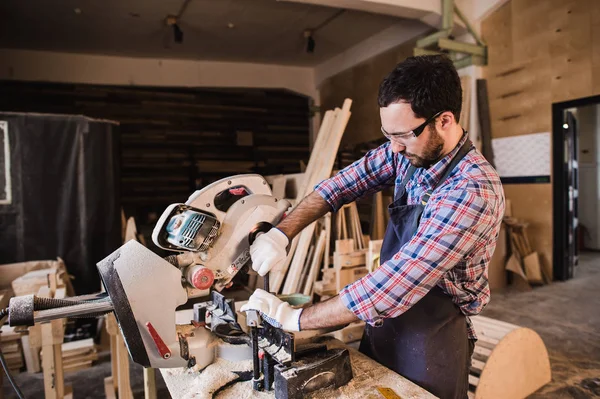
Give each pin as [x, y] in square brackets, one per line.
[428, 344]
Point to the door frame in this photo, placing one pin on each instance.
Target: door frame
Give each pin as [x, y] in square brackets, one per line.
[561, 270]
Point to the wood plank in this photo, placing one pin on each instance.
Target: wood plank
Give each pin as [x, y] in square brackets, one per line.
[377, 217]
[123, 377]
[52, 363]
[348, 276]
[321, 170]
[344, 246]
[315, 264]
[31, 355]
[109, 388]
[327, 240]
[80, 346]
[149, 383]
[477, 365]
[351, 333]
[352, 259]
[71, 368]
[9, 334]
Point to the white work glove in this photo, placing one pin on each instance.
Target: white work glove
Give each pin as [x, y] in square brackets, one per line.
[268, 251]
[273, 310]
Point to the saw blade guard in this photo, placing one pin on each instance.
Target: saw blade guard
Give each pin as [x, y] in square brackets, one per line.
[214, 225]
[145, 291]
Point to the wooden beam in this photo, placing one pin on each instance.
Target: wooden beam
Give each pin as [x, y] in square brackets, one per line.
[432, 39]
[447, 14]
[315, 264]
[469, 60]
[149, 383]
[485, 123]
[461, 47]
[52, 337]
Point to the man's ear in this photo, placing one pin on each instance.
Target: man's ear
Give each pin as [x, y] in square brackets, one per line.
[447, 119]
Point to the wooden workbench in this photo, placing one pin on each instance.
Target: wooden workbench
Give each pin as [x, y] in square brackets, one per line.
[368, 375]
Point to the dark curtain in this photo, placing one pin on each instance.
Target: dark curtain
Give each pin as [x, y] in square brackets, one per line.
[65, 193]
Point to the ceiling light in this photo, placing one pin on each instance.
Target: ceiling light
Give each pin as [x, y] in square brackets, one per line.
[171, 21]
[565, 126]
[77, 11]
[310, 41]
[230, 25]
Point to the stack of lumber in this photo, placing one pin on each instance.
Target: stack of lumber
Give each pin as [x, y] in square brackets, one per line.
[319, 167]
[10, 343]
[349, 265]
[31, 282]
[524, 261]
[348, 226]
[78, 355]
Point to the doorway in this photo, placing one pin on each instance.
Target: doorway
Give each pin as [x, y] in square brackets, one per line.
[576, 182]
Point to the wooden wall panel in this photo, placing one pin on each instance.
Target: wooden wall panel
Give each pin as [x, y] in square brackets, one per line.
[554, 56]
[533, 203]
[519, 95]
[595, 16]
[497, 33]
[529, 29]
[569, 39]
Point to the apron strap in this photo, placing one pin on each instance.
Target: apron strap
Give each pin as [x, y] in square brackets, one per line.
[464, 150]
[409, 173]
[402, 188]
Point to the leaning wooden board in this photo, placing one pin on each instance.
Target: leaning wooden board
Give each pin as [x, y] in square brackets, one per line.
[368, 375]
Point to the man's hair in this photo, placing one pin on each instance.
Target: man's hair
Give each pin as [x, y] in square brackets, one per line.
[429, 83]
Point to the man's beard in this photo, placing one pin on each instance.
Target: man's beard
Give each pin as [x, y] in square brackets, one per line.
[432, 152]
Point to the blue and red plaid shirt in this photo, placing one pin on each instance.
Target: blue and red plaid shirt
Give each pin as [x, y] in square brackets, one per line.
[454, 242]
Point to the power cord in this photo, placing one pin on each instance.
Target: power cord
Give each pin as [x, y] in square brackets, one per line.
[3, 314]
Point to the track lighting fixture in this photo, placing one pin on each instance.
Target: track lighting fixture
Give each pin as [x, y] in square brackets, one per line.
[310, 41]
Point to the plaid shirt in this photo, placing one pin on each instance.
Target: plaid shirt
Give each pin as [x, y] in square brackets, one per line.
[454, 242]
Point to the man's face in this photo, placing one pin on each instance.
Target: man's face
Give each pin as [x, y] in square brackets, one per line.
[423, 151]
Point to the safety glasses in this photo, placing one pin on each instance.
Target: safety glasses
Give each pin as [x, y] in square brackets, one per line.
[416, 132]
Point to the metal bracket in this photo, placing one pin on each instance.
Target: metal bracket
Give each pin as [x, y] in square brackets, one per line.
[441, 42]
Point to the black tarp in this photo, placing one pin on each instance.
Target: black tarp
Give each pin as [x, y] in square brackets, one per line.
[64, 173]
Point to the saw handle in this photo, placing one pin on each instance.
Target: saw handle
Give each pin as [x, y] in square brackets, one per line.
[261, 228]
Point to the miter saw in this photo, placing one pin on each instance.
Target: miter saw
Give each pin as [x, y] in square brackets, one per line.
[212, 233]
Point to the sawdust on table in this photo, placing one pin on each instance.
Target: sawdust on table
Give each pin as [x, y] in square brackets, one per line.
[186, 383]
[193, 384]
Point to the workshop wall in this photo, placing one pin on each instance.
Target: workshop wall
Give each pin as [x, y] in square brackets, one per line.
[175, 140]
[361, 84]
[540, 52]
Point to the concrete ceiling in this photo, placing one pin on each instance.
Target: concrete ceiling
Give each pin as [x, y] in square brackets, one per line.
[265, 31]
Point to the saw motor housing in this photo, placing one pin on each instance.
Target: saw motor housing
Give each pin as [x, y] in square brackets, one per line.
[210, 231]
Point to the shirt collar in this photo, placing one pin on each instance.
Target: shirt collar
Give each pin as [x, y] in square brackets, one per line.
[431, 176]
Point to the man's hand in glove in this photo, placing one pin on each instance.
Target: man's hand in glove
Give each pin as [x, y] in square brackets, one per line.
[274, 311]
[269, 251]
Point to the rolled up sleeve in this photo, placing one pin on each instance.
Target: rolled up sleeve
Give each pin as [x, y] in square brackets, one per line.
[369, 174]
